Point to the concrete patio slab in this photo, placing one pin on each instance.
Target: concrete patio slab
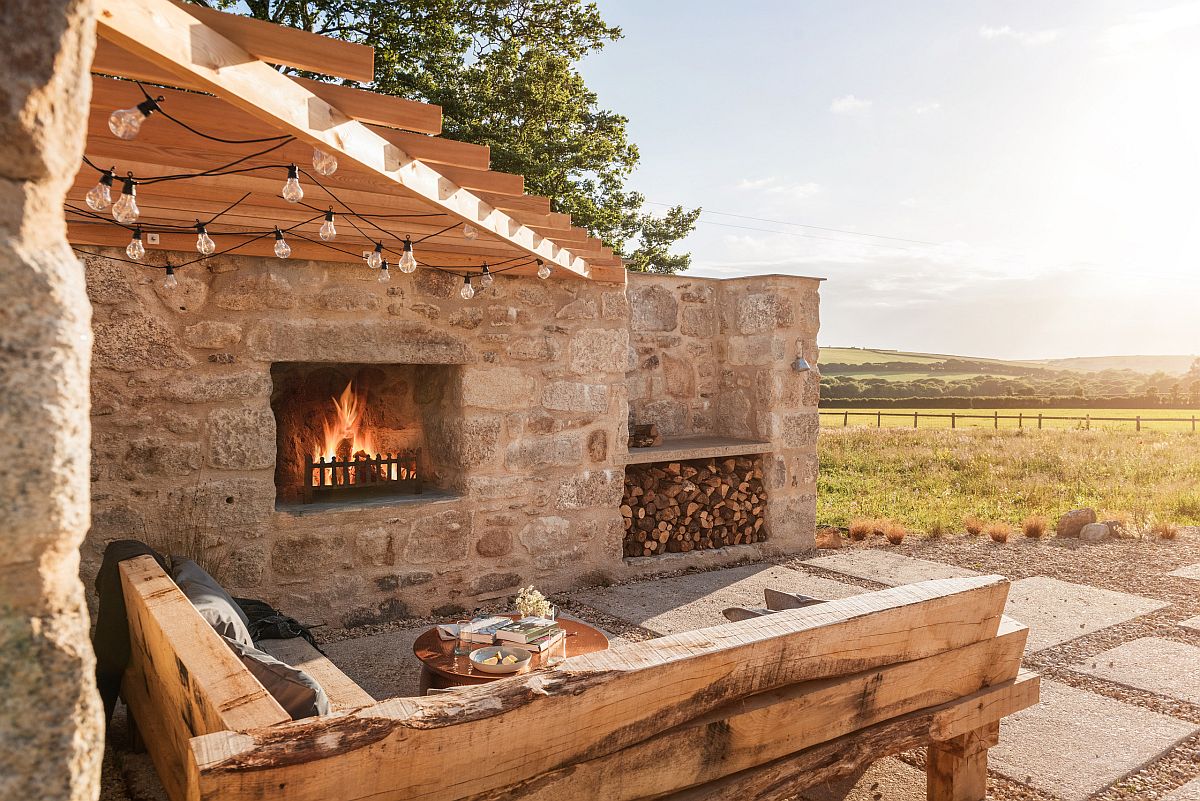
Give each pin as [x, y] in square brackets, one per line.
[1192, 623]
[695, 600]
[1187, 571]
[1163, 667]
[1074, 743]
[1188, 792]
[1057, 611]
[886, 780]
[886, 567]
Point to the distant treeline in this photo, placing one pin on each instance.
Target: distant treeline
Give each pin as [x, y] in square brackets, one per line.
[1004, 402]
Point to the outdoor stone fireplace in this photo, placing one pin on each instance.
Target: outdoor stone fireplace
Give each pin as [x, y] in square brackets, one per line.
[512, 407]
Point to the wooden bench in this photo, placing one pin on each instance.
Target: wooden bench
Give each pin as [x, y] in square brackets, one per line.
[757, 709]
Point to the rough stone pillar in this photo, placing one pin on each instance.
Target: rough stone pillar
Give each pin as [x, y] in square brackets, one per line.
[51, 738]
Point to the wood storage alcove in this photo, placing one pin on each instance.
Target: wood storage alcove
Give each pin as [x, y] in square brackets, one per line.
[937, 664]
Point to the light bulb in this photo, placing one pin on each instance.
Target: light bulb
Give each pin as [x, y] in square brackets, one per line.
[323, 162]
[328, 232]
[135, 249]
[485, 279]
[126, 122]
[292, 191]
[385, 274]
[543, 270]
[170, 282]
[408, 262]
[374, 258]
[204, 243]
[467, 290]
[469, 231]
[126, 210]
[99, 197]
[282, 248]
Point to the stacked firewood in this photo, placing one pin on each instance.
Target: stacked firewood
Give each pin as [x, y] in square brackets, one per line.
[676, 507]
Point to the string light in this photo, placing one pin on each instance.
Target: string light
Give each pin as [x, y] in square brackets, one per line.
[135, 249]
[292, 191]
[126, 210]
[384, 274]
[408, 262]
[467, 292]
[485, 278]
[126, 122]
[469, 232]
[375, 258]
[282, 248]
[99, 197]
[543, 270]
[324, 163]
[170, 282]
[204, 243]
[328, 232]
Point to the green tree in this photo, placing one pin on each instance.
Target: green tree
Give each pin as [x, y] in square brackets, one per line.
[504, 73]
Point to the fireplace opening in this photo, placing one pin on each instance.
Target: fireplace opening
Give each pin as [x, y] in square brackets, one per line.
[353, 433]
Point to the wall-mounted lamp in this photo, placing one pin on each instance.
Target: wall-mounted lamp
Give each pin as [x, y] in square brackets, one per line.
[801, 365]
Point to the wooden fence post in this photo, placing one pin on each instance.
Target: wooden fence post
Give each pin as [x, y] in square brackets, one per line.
[845, 419]
[996, 419]
[914, 419]
[879, 419]
[1020, 419]
[954, 421]
[1193, 424]
[1139, 422]
[1039, 421]
[1089, 421]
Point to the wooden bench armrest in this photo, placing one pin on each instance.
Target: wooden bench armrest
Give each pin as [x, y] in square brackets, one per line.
[341, 690]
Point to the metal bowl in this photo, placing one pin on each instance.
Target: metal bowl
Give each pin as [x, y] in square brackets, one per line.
[479, 654]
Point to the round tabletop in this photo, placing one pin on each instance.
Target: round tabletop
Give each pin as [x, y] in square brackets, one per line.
[444, 669]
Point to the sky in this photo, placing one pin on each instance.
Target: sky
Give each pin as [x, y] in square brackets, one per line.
[1036, 165]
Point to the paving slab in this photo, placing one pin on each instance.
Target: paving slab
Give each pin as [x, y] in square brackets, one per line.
[1187, 571]
[887, 567]
[1074, 743]
[1057, 611]
[1192, 623]
[1188, 792]
[888, 779]
[695, 600]
[1163, 667]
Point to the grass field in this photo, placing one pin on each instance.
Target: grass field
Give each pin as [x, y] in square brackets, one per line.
[903, 418]
[1175, 364]
[932, 477]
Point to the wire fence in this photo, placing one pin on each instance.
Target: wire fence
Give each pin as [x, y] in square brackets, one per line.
[1019, 420]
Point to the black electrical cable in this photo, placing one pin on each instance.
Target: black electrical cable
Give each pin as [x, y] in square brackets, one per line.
[158, 107]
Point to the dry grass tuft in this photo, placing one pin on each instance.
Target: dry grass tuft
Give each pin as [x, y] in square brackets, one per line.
[999, 532]
[895, 533]
[939, 529]
[1035, 527]
[861, 528]
[879, 528]
[1165, 531]
[974, 525]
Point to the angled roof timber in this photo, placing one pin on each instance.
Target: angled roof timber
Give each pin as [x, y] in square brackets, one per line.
[195, 54]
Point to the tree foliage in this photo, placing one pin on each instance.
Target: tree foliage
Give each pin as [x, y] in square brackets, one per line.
[504, 73]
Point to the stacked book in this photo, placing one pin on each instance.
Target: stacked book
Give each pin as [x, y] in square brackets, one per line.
[531, 633]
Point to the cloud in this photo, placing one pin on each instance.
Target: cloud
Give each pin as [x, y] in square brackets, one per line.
[1027, 38]
[1149, 26]
[909, 203]
[773, 185]
[927, 108]
[849, 104]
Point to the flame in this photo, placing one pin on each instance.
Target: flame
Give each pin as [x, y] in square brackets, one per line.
[346, 424]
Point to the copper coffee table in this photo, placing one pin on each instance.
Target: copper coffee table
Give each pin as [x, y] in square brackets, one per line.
[440, 668]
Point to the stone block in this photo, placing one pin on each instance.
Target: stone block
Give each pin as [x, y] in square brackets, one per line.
[597, 446]
[426, 310]
[309, 555]
[552, 542]
[696, 293]
[495, 584]
[578, 309]
[374, 547]
[212, 335]
[887, 567]
[614, 305]
[435, 283]
[222, 503]
[1188, 792]
[1070, 524]
[570, 396]
[699, 321]
[347, 298]
[1187, 572]
[533, 349]
[532, 454]
[1074, 743]
[188, 297]
[599, 350]
[763, 311]
[800, 430]
[130, 341]
[1057, 611]
[1095, 532]
[679, 376]
[652, 308]
[366, 341]
[464, 442]
[107, 281]
[591, 489]
[669, 415]
[241, 439]
[158, 457]
[245, 566]
[495, 541]
[1156, 665]
[497, 388]
[193, 388]
[439, 539]
[751, 351]
[255, 292]
[385, 611]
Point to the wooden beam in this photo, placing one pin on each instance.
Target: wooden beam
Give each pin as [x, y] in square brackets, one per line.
[437, 150]
[956, 770]
[168, 36]
[290, 47]
[510, 731]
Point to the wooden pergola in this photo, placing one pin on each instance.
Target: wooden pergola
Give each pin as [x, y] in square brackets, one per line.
[220, 74]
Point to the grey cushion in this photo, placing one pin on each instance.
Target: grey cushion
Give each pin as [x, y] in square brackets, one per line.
[210, 599]
[296, 691]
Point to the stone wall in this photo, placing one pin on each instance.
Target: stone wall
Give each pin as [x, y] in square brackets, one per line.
[529, 430]
[184, 443]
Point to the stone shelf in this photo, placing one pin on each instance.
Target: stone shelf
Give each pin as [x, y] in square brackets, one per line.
[680, 448]
[321, 507]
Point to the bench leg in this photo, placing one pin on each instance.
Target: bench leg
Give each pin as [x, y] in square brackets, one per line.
[956, 770]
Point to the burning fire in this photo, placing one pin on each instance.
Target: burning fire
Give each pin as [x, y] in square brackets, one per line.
[348, 439]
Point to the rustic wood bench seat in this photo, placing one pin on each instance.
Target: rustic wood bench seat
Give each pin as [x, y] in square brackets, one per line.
[757, 709]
